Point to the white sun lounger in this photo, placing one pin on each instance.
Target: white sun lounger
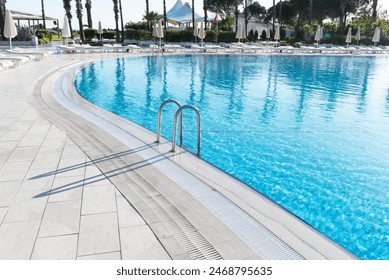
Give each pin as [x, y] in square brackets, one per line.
[66, 49]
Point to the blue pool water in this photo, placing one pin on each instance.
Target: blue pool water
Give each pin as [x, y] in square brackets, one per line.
[310, 133]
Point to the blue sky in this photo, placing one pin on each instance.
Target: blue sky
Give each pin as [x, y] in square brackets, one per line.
[102, 10]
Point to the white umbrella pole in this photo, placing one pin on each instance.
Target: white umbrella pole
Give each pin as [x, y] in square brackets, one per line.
[10, 43]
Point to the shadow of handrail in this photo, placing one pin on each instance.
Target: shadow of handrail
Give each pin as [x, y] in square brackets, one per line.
[92, 162]
[108, 175]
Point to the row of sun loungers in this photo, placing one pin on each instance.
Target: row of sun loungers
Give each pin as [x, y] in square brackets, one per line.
[93, 49]
[226, 48]
[20, 56]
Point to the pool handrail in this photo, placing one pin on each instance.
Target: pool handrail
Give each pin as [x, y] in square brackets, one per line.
[179, 113]
[160, 119]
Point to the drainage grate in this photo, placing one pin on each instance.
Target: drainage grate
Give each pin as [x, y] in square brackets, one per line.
[197, 247]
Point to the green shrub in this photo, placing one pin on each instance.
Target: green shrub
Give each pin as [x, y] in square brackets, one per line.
[90, 33]
[24, 33]
[108, 35]
[137, 34]
[225, 36]
[43, 34]
[179, 35]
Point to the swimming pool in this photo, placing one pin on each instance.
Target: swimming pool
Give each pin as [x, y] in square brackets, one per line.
[309, 132]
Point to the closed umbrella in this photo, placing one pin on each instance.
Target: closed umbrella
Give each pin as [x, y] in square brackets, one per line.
[240, 34]
[9, 28]
[66, 33]
[268, 34]
[201, 34]
[358, 35]
[160, 31]
[100, 30]
[376, 36]
[348, 37]
[277, 34]
[195, 30]
[154, 30]
[318, 34]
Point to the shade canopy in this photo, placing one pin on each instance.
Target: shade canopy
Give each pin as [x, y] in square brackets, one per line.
[27, 16]
[181, 13]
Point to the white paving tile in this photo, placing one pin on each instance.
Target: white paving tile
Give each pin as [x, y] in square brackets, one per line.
[128, 217]
[3, 211]
[139, 243]
[46, 161]
[8, 191]
[14, 171]
[71, 167]
[17, 240]
[99, 199]
[24, 154]
[106, 256]
[66, 188]
[61, 218]
[55, 248]
[98, 234]
[26, 206]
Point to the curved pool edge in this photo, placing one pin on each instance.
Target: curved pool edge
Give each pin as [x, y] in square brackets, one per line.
[294, 232]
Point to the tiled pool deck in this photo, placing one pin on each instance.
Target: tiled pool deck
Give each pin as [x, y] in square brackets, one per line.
[79, 183]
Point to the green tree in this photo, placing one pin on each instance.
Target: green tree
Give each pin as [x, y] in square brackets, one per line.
[150, 18]
[79, 16]
[205, 8]
[43, 14]
[2, 18]
[68, 11]
[147, 12]
[121, 18]
[223, 7]
[88, 7]
[164, 14]
[374, 8]
[116, 13]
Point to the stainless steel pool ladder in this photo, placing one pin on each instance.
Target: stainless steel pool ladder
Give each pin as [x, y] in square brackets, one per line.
[160, 118]
[179, 114]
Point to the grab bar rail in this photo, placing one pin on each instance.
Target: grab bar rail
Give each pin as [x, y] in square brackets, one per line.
[160, 118]
[179, 112]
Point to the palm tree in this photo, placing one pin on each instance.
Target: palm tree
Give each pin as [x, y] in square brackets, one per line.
[164, 14]
[43, 14]
[374, 6]
[116, 12]
[79, 16]
[88, 7]
[147, 12]
[2, 18]
[193, 15]
[121, 18]
[205, 7]
[68, 11]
